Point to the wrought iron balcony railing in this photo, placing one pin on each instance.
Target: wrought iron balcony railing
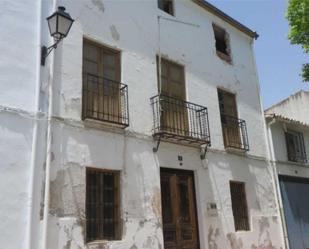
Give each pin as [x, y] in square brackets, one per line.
[234, 132]
[105, 100]
[180, 120]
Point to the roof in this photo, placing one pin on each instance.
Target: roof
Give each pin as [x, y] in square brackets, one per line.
[214, 10]
[284, 119]
[285, 100]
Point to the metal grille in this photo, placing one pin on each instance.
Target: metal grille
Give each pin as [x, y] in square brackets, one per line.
[295, 147]
[181, 120]
[234, 132]
[239, 206]
[105, 100]
[102, 210]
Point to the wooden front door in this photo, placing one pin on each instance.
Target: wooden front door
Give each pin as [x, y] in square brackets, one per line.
[174, 118]
[180, 230]
[101, 69]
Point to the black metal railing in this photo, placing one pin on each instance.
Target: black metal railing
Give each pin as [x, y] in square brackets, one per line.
[105, 100]
[180, 120]
[234, 132]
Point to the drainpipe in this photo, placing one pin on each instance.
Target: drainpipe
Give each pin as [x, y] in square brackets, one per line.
[33, 162]
[48, 147]
[277, 188]
[270, 151]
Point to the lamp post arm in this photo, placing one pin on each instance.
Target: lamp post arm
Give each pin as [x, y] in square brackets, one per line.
[45, 51]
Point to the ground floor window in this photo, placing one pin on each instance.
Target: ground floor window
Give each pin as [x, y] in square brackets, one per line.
[102, 205]
[239, 206]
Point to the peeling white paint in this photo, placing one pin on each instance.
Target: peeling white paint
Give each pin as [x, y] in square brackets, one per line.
[77, 144]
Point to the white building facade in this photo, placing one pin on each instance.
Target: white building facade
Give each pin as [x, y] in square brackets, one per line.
[288, 130]
[105, 145]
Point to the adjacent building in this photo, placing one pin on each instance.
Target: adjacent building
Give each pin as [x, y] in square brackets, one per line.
[288, 134]
[144, 129]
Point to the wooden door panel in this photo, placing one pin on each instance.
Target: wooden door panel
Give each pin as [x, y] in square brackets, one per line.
[178, 209]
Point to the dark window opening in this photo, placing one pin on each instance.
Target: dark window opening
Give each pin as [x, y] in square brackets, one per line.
[166, 6]
[295, 147]
[239, 206]
[102, 205]
[222, 43]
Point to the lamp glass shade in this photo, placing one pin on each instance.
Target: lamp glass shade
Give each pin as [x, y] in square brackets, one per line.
[59, 23]
[64, 25]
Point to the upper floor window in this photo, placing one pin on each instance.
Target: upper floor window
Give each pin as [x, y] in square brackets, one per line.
[102, 205]
[104, 96]
[234, 129]
[295, 146]
[222, 43]
[167, 6]
[239, 206]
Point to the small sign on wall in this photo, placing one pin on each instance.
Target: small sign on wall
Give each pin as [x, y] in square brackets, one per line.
[212, 209]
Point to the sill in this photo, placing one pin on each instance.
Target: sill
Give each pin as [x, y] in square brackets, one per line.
[101, 242]
[224, 57]
[166, 13]
[294, 163]
[235, 151]
[104, 125]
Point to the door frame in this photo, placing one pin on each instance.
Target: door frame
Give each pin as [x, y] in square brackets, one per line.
[188, 172]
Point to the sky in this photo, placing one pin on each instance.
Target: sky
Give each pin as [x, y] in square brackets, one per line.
[278, 62]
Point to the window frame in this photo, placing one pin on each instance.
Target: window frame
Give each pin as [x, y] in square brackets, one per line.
[245, 212]
[117, 202]
[224, 56]
[112, 99]
[298, 140]
[172, 13]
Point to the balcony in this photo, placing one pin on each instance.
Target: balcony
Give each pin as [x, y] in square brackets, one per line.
[179, 121]
[234, 133]
[105, 100]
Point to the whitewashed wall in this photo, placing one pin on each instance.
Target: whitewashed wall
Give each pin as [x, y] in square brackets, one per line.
[280, 151]
[18, 77]
[293, 107]
[131, 26]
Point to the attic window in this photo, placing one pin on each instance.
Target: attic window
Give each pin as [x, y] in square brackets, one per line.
[166, 6]
[222, 43]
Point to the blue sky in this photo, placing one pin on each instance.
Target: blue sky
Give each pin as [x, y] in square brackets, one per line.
[278, 62]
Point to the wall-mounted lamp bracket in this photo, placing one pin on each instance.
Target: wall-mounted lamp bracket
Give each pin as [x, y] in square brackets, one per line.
[155, 149]
[204, 151]
[45, 51]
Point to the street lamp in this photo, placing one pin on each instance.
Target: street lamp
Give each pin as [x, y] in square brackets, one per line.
[59, 24]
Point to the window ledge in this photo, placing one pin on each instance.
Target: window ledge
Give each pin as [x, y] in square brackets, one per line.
[293, 163]
[103, 125]
[100, 242]
[224, 57]
[235, 151]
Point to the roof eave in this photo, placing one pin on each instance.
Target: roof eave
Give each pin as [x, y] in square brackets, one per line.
[214, 10]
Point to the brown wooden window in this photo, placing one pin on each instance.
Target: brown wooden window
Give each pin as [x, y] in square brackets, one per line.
[167, 6]
[229, 119]
[239, 206]
[174, 117]
[295, 146]
[104, 96]
[222, 43]
[102, 205]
